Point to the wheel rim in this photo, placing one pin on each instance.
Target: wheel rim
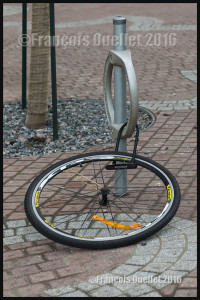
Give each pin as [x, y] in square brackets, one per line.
[65, 202]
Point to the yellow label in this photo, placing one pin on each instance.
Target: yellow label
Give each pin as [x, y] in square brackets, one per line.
[169, 193]
[36, 198]
[85, 237]
[49, 224]
[123, 158]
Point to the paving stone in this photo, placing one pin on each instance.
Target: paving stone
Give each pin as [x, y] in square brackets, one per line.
[171, 238]
[188, 283]
[139, 290]
[193, 273]
[168, 231]
[146, 250]
[35, 237]
[156, 267]
[191, 230]
[31, 290]
[173, 221]
[190, 74]
[105, 291]
[140, 260]
[76, 294]
[13, 240]
[11, 255]
[173, 244]
[167, 108]
[125, 270]
[59, 291]
[86, 287]
[15, 224]
[25, 230]
[192, 238]
[152, 294]
[152, 242]
[182, 224]
[165, 259]
[180, 107]
[168, 290]
[8, 232]
[183, 265]
[186, 293]
[184, 101]
[189, 255]
[192, 246]
[125, 285]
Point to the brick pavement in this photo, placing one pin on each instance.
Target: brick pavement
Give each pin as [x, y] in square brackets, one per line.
[158, 68]
[35, 266]
[32, 260]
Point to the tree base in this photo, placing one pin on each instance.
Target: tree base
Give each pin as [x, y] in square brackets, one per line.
[36, 121]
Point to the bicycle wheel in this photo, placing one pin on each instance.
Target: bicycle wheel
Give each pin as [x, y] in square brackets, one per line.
[78, 201]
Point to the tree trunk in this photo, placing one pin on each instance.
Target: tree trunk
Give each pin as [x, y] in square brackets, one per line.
[37, 104]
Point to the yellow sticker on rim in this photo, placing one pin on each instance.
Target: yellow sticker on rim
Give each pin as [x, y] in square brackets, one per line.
[123, 158]
[85, 237]
[36, 198]
[169, 192]
[49, 224]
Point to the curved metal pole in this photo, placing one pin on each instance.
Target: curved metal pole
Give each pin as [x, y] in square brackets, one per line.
[123, 59]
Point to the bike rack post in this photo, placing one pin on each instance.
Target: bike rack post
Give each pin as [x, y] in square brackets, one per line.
[120, 59]
[120, 98]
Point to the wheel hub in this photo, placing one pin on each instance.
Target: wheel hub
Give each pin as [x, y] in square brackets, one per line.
[104, 201]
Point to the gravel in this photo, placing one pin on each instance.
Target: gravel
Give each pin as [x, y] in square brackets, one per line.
[81, 125]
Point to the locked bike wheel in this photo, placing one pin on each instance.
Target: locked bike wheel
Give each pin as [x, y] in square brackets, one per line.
[79, 201]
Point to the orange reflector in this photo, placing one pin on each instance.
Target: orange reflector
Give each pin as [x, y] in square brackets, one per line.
[107, 222]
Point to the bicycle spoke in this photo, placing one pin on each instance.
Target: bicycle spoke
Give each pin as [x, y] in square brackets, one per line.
[95, 176]
[119, 198]
[112, 178]
[112, 217]
[87, 216]
[56, 222]
[106, 224]
[102, 175]
[83, 177]
[80, 194]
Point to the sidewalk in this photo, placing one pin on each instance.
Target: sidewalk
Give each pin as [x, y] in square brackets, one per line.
[35, 266]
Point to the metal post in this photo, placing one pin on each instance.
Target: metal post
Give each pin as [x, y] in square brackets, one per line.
[24, 41]
[120, 98]
[53, 71]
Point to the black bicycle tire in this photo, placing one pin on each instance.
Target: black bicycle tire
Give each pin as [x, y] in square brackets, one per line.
[87, 243]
